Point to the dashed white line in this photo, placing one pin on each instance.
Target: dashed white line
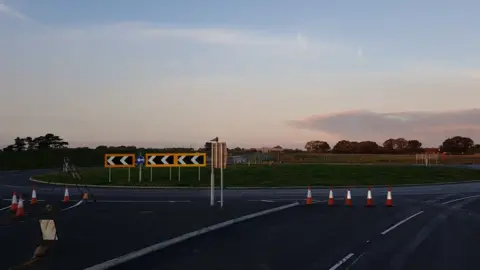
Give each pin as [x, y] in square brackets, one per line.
[401, 222]
[460, 199]
[342, 261]
[356, 260]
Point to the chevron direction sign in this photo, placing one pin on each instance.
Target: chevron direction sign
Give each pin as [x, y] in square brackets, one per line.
[119, 160]
[191, 160]
[154, 160]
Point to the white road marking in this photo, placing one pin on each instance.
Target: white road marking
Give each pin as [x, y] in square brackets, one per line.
[267, 201]
[114, 201]
[73, 206]
[342, 261]
[460, 199]
[5, 208]
[401, 222]
[25, 200]
[147, 250]
[356, 260]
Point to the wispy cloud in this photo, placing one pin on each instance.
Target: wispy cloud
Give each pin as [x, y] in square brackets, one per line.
[9, 11]
[288, 42]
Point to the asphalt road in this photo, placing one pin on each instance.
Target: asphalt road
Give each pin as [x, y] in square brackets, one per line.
[443, 236]
[311, 237]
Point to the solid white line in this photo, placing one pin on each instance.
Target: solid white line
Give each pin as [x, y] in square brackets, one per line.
[25, 200]
[114, 201]
[73, 206]
[460, 199]
[401, 222]
[5, 208]
[342, 261]
[164, 244]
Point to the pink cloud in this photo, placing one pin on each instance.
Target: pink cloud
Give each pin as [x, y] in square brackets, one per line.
[430, 127]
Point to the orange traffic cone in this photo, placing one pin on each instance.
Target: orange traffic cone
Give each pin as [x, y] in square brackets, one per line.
[66, 196]
[14, 204]
[20, 210]
[331, 201]
[369, 198]
[389, 202]
[34, 197]
[348, 200]
[309, 196]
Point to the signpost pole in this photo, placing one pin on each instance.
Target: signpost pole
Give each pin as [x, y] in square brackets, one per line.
[221, 174]
[170, 173]
[129, 174]
[109, 175]
[198, 173]
[151, 174]
[178, 174]
[140, 173]
[212, 178]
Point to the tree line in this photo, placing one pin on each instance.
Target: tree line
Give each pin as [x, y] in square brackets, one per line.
[453, 145]
[48, 151]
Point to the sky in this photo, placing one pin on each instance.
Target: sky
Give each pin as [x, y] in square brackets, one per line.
[254, 73]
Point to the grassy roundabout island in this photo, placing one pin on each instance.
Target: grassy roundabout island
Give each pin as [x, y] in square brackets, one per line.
[274, 176]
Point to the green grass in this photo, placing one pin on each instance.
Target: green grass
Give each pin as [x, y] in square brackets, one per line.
[276, 176]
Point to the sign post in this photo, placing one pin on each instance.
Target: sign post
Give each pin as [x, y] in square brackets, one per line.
[219, 160]
[119, 161]
[140, 161]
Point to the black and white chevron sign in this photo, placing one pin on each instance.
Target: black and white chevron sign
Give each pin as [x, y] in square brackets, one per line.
[160, 159]
[193, 159]
[119, 160]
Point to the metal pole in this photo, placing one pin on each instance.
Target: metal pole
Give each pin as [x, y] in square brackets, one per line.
[109, 175]
[221, 186]
[140, 173]
[198, 173]
[212, 179]
[178, 174]
[221, 175]
[151, 174]
[170, 173]
[129, 177]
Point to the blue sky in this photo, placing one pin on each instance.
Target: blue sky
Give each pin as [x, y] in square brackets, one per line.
[254, 73]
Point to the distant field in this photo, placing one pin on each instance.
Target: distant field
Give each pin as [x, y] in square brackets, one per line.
[371, 158]
[277, 175]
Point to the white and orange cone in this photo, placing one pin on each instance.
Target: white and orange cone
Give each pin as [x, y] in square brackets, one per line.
[348, 200]
[20, 210]
[14, 204]
[369, 198]
[66, 196]
[389, 202]
[309, 196]
[34, 196]
[331, 201]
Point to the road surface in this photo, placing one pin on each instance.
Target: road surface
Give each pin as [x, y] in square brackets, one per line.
[308, 237]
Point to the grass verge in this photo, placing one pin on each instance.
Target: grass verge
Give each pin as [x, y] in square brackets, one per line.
[273, 176]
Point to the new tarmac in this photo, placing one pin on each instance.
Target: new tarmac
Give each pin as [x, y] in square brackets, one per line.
[427, 224]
